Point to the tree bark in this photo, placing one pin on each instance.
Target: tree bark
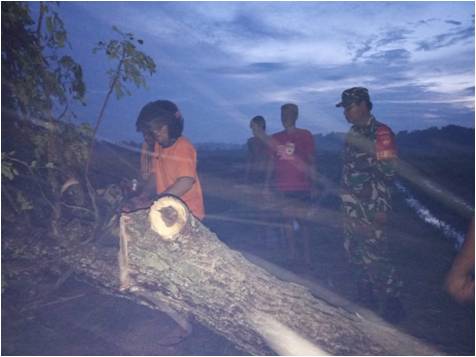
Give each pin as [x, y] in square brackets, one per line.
[190, 272]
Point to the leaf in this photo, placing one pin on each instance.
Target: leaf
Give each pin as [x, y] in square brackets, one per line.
[24, 203]
[49, 24]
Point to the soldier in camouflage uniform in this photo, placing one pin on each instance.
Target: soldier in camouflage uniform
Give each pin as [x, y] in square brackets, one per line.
[369, 158]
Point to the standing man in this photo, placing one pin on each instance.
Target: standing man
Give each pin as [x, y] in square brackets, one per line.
[258, 153]
[292, 161]
[368, 171]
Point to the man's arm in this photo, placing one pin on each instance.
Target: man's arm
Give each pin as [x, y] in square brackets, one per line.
[311, 159]
[181, 186]
[269, 173]
[459, 281]
[249, 155]
[145, 198]
[149, 188]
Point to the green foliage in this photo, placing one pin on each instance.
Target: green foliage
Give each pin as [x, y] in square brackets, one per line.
[35, 75]
[39, 80]
[131, 62]
[23, 202]
[75, 143]
[8, 167]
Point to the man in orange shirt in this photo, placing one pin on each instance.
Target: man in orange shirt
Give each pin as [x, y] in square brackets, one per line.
[175, 161]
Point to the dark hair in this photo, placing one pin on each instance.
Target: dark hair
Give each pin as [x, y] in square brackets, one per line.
[369, 104]
[259, 120]
[291, 107]
[161, 112]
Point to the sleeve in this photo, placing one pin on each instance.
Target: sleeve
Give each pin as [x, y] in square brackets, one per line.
[272, 145]
[186, 160]
[311, 146]
[386, 151]
[385, 146]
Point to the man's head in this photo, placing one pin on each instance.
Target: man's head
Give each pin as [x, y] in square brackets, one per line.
[161, 120]
[289, 115]
[142, 125]
[258, 125]
[357, 105]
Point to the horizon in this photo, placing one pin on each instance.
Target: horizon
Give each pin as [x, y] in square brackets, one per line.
[223, 63]
[138, 143]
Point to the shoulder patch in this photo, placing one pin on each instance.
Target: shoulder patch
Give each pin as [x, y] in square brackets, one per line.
[385, 146]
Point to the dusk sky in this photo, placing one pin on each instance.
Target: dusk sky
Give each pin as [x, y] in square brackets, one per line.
[225, 62]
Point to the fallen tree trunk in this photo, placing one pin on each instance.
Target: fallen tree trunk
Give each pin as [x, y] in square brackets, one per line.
[180, 262]
[170, 261]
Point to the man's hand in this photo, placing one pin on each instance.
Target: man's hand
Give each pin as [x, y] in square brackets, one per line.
[460, 285]
[136, 203]
[460, 279]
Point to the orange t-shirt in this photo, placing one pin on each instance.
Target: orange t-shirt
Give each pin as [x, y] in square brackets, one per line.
[179, 160]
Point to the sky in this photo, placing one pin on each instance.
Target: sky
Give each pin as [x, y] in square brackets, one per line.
[223, 63]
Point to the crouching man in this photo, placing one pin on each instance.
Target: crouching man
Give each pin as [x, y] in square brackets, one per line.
[174, 161]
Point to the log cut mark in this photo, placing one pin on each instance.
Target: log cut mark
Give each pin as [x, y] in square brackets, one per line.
[123, 254]
[168, 217]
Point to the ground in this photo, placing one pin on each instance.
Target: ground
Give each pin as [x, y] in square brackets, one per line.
[76, 319]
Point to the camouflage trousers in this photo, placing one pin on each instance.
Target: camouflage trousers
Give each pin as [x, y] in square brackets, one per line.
[367, 248]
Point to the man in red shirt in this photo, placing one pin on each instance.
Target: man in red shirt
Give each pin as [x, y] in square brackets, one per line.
[292, 167]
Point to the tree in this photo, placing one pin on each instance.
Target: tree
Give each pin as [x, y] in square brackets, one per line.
[39, 82]
[130, 63]
[36, 75]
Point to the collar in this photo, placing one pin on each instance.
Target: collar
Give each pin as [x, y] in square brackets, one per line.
[368, 125]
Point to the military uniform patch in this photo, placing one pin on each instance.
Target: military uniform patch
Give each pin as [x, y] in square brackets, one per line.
[385, 147]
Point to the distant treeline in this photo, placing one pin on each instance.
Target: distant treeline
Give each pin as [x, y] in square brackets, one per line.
[449, 139]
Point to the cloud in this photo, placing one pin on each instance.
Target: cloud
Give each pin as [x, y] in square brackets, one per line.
[228, 61]
[447, 39]
[299, 52]
[390, 57]
[252, 70]
[361, 50]
[453, 22]
[469, 90]
[394, 35]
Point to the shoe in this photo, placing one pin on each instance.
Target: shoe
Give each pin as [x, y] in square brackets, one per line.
[393, 310]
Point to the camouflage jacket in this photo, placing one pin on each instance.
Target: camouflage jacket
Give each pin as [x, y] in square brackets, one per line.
[368, 170]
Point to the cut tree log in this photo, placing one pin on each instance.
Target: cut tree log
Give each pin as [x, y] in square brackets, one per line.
[181, 263]
[173, 263]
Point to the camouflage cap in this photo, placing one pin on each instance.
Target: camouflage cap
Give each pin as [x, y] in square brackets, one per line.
[353, 95]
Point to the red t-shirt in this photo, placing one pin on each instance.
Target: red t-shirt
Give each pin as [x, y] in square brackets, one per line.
[292, 153]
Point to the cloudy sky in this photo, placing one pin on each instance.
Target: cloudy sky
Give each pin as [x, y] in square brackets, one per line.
[225, 62]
